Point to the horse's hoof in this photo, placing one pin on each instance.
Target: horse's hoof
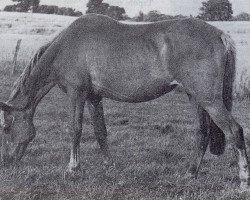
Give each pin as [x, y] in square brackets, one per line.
[74, 174]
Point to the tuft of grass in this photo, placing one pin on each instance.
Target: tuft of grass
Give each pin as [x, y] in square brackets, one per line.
[243, 90]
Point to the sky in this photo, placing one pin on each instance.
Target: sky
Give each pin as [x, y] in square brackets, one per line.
[132, 7]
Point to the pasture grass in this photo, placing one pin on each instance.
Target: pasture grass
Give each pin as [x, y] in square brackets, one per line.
[151, 145]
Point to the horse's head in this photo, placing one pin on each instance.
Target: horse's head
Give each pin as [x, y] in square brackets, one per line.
[15, 123]
[17, 127]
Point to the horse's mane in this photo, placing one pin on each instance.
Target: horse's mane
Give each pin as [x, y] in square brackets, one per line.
[20, 83]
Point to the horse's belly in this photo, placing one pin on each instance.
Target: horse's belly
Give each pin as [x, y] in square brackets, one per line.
[135, 91]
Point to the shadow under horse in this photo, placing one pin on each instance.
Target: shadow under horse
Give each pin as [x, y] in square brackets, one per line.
[97, 57]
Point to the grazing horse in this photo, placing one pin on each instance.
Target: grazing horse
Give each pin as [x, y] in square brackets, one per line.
[97, 57]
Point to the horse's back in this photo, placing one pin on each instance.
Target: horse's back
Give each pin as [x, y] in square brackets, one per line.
[188, 26]
[94, 23]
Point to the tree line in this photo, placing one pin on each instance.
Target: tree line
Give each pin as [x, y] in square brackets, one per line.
[35, 7]
[210, 10]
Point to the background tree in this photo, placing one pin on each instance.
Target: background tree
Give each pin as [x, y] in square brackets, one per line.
[25, 5]
[242, 17]
[216, 10]
[115, 12]
[97, 6]
[35, 5]
[22, 5]
[154, 16]
[10, 8]
[140, 17]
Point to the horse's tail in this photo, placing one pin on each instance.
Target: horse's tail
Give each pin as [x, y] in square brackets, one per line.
[217, 137]
[230, 71]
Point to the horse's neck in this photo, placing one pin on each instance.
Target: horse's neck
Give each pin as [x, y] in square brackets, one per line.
[29, 93]
[40, 94]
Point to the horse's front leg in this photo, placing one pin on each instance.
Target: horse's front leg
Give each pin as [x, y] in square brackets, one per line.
[97, 115]
[75, 128]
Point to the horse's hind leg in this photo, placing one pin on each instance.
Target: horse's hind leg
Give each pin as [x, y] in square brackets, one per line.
[96, 111]
[234, 133]
[201, 139]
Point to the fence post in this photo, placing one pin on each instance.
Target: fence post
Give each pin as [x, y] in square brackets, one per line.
[15, 56]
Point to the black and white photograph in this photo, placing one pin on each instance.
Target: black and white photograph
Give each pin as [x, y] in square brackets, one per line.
[124, 99]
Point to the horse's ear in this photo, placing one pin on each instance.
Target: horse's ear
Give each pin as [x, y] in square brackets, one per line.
[5, 107]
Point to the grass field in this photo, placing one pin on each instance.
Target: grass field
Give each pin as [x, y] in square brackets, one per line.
[150, 164]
